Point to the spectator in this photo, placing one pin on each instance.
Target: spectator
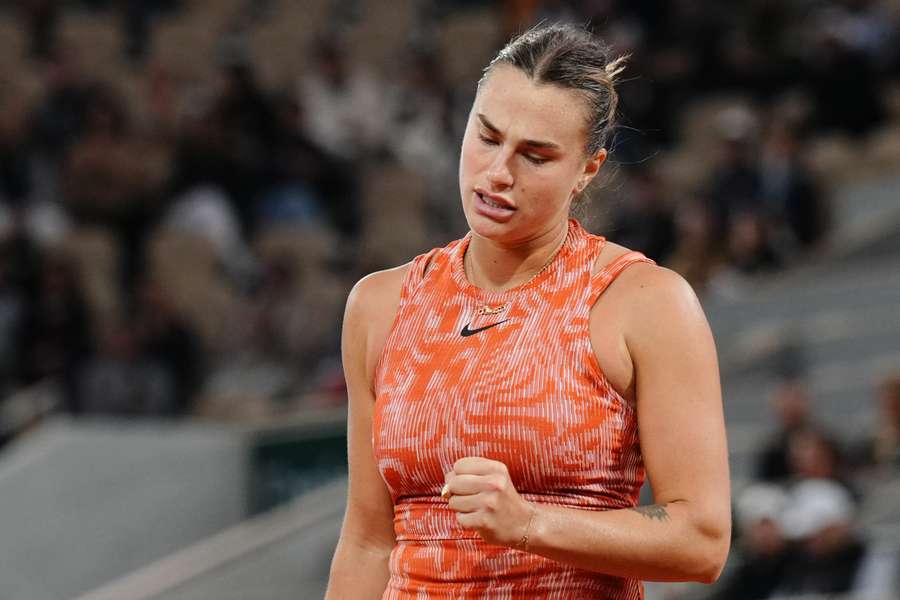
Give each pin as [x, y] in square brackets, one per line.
[104, 174]
[109, 181]
[734, 186]
[790, 401]
[61, 114]
[335, 180]
[815, 455]
[294, 316]
[645, 220]
[314, 186]
[165, 339]
[15, 162]
[831, 557]
[249, 129]
[55, 336]
[122, 380]
[204, 211]
[796, 210]
[138, 17]
[202, 157]
[862, 25]
[420, 131]
[844, 85]
[749, 245]
[43, 26]
[344, 111]
[696, 255]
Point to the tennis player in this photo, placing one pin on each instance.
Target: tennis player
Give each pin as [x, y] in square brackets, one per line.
[508, 393]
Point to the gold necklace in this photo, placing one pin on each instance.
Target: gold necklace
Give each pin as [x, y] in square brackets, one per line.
[491, 310]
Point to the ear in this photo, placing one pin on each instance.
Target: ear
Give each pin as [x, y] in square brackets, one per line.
[591, 167]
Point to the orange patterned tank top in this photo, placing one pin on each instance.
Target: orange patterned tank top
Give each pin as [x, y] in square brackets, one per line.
[517, 382]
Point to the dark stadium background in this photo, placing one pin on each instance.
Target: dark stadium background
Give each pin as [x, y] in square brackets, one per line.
[189, 188]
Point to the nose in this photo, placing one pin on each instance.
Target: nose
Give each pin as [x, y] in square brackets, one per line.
[499, 175]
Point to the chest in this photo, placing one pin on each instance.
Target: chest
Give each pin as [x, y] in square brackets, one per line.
[515, 385]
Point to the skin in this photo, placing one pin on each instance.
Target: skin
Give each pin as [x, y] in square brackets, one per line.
[648, 331]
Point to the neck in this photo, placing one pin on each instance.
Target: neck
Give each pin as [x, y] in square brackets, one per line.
[496, 266]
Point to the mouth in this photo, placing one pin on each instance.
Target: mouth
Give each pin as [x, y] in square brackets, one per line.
[495, 202]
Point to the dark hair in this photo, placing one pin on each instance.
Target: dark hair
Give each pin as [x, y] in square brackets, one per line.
[570, 57]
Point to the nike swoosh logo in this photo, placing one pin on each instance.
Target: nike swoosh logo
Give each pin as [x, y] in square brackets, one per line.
[466, 332]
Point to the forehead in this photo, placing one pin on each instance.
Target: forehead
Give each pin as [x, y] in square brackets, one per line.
[521, 108]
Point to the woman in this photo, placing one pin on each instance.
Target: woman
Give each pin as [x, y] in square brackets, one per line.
[505, 397]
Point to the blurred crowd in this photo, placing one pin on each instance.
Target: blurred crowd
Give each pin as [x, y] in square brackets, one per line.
[188, 188]
[801, 524]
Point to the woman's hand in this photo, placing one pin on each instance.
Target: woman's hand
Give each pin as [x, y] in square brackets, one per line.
[482, 494]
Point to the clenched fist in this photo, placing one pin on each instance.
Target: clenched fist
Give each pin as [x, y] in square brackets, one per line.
[482, 494]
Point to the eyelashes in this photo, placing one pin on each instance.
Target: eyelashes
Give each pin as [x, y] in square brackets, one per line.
[537, 160]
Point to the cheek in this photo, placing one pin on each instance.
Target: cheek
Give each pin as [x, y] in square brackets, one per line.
[547, 190]
[468, 160]
[475, 156]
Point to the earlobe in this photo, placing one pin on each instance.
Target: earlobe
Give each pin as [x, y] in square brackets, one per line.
[599, 159]
[593, 165]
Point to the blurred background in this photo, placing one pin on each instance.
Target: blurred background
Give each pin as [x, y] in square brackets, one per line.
[189, 188]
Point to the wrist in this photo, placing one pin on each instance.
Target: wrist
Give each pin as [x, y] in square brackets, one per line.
[525, 537]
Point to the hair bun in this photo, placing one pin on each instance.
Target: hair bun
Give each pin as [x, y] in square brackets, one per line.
[615, 67]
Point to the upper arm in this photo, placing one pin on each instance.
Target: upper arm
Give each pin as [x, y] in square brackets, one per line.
[679, 400]
[371, 308]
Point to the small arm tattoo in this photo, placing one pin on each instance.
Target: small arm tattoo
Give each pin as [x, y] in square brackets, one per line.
[654, 511]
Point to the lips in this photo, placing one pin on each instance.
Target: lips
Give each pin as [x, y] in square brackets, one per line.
[494, 201]
[494, 208]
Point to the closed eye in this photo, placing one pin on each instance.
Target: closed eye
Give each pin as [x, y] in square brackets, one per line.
[538, 160]
[532, 158]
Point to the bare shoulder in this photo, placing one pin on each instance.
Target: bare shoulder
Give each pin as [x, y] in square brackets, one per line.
[378, 290]
[636, 315]
[661, 310]
[658, 293]
[646, 286]
[371, 309]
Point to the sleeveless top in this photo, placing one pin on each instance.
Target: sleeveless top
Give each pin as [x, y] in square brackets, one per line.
[510, 376]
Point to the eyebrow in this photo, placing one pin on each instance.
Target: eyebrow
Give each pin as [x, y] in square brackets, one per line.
[532, 143]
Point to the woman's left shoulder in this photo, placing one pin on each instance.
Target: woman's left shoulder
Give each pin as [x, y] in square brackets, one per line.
[652, 291]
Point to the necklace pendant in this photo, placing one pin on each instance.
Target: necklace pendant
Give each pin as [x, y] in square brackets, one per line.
[492, 310]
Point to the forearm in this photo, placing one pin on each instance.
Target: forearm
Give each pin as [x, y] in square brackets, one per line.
[668, 542]
[358, 572]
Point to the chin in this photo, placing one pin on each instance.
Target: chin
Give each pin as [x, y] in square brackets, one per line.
[511, 233]
[489, 229]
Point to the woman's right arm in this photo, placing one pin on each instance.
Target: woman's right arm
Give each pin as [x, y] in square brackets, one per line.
[359, 569]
